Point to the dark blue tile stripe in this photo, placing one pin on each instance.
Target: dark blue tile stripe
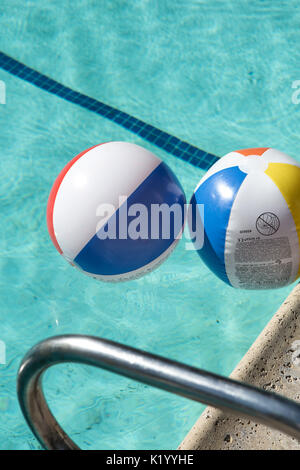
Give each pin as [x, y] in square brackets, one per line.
[161, 139]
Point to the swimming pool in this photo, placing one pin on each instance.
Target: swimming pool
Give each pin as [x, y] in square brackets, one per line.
[217, 77]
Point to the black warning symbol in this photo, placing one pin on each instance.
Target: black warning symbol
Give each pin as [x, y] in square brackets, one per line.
[267, 223]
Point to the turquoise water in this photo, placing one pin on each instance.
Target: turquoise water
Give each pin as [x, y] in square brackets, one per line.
[216, 75]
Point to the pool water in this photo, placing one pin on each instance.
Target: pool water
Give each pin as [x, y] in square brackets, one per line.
[218, 75]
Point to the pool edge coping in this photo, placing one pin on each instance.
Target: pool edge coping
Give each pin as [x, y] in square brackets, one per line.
[267, 364]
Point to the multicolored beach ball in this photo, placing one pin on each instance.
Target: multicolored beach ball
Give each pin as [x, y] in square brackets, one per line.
[99, 211]
[248, 205]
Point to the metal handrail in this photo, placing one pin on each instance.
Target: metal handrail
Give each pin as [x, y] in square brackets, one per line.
[198, 385]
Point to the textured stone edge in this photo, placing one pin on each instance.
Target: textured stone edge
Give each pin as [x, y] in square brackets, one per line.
[271, 363]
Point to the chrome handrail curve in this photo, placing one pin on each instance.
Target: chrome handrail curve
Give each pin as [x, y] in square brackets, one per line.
[198, 385]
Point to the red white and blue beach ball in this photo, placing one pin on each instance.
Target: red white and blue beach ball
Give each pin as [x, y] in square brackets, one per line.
[100, 201]
[248, 206]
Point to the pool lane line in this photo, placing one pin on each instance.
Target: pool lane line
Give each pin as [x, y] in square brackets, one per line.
[161, 139]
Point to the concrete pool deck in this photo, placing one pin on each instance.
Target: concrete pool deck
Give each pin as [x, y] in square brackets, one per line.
[272, 363]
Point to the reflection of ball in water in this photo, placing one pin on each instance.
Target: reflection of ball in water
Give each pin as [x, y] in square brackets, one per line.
[99, 211]
[251, 218]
